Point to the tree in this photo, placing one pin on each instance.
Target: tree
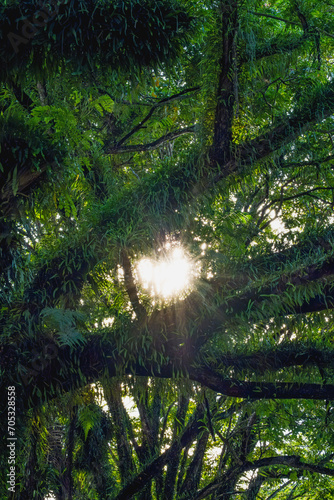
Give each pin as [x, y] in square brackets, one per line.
[131, 130]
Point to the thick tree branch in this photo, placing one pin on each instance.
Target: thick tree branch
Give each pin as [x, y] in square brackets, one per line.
[22, 97]
[280, 357]
[193, 475]
[220, 152]
[173, 465]
[59, 370]
[285, 131]
[260, 390]
[289, 290]
[42, 93]
[119, 416]
[263, 14]
[135, 129]
[162, 102]
[277, 45]
[313, 162]
[293, 461]
[254, 487]
[191, 431]
[187, 436]
[152, 145]
[131, 287]
[298, 195]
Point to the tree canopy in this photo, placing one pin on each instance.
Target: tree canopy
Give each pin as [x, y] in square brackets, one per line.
[181, 142]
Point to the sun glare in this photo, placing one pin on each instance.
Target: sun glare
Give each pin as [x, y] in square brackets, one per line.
[167, 276]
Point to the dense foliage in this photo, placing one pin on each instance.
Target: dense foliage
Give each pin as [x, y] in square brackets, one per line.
[129, 130]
